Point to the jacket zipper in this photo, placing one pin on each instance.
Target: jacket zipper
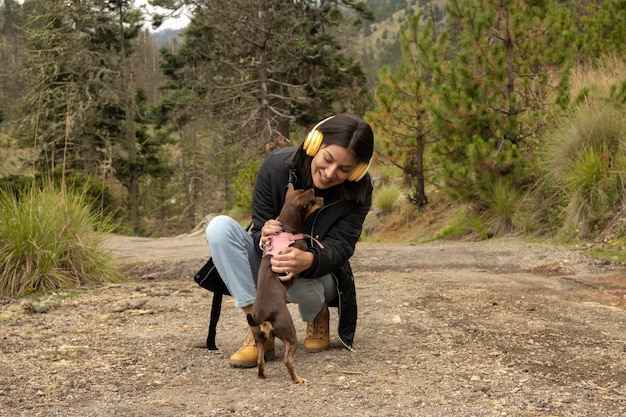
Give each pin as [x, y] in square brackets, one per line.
[315, 220]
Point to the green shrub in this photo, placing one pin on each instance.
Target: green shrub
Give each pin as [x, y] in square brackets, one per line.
[461, 223]
[584, 171]
[244, 184]
[97, 195]
[385, 197]
[595, 188]
[50, 240]
[502, 204]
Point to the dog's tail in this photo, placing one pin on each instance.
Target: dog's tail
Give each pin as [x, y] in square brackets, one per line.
[251, 321]
[265, 326]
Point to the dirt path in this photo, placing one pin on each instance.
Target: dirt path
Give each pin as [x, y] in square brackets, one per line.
[445, 329]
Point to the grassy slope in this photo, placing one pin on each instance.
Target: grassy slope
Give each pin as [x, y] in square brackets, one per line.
[406, 223]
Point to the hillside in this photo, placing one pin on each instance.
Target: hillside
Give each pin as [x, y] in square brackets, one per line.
[161, 37]
[377, 42]
[380, 44]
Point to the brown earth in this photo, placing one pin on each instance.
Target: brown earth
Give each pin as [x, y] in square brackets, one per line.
[498, 328]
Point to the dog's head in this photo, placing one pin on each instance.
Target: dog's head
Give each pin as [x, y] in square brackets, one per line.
[304, 200]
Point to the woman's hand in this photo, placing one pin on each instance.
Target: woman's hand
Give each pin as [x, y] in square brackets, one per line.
[270, 228]
[291, 261]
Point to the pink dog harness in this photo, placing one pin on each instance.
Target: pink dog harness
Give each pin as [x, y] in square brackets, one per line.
[275, 244]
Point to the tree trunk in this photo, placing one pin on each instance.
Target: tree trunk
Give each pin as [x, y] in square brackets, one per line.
[129, 138]
[261, 69]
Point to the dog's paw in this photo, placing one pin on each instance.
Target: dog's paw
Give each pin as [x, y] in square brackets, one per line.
[299, 380]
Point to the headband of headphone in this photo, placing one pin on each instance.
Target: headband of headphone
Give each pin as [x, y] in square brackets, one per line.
[313, 143]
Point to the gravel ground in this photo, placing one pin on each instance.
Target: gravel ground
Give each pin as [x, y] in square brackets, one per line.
[498, 328]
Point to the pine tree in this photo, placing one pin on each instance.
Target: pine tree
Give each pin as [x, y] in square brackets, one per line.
[508, 64]
[401, 116]
[273, 62]
[603, 26]
[71, 65]
[251, 70]
[83, 99]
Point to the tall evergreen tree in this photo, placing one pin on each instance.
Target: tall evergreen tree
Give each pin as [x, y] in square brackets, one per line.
[71, 66]
[82, 103]
[62, 74]
[507, 63]
[273, 62]
[401, 116]
[206, 145]
[253, 68]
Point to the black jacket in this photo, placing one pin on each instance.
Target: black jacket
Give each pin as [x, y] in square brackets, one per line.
[337, 225]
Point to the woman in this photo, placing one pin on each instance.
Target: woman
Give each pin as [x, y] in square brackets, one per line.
[334, 160]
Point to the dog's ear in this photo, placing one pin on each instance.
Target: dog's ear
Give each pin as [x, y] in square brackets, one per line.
[303, 197]
[300, 198]
[313, 204]
[290, 191]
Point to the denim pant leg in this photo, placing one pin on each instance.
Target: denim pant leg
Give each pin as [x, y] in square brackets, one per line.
[310, 294]
[235, 258]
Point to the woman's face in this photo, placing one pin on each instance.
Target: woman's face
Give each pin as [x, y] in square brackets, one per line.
[331, 166]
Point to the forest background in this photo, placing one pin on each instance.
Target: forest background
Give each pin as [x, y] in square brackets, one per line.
[506, 117]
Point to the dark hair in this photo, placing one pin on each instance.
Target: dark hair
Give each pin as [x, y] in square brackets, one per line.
[351, 133]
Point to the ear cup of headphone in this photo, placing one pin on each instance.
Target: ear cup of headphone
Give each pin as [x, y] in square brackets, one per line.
[313, 142]
[314, 139]
[359, 171]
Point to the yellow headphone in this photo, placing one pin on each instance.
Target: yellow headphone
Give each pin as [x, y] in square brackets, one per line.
[312, 145]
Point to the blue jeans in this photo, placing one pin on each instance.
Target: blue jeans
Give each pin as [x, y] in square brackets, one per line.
[237, 261]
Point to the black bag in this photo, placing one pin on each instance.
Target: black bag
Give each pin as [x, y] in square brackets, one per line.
[208, 277]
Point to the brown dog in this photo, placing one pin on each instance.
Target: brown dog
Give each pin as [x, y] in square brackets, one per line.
[270, 316]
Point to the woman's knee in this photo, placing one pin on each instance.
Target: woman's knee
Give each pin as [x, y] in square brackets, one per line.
[306, 291]
[219, 227]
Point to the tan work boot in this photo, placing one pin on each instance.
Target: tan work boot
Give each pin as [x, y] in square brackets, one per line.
[317, 337]
[246, 356]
